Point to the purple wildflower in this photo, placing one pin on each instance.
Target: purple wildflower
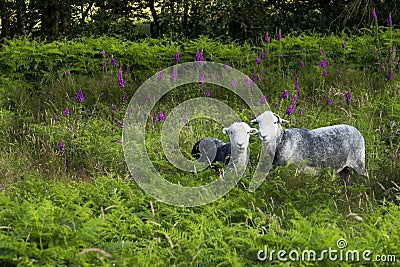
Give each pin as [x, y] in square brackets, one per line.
[80, 97]
[199, 56]
[226, 66]
[66, 111]
[114, 107]
[68, 72]
[323, 63]
[343, 44]
[277, 104]
[290, 109]
[62, 145]
[148, 98]
[113, 61]
[120, 77]
[324, 73]
[233, 83]
[313, 80]
[278, 55]
[348, 97]
[390, 21]
[267, 39]
[264, 100]
[162, 116]
[246, 81]
[160, 75]
[103, 52]
[297, 87]
[285, 94]
[55, 117]
[374, 14]
[126, 97]
[301, 63]
[177, 57]
[390, 75]
[378, 62]
[255, 77]
[279, 35]
[262, 54]
[258, 61]
[154, 116]
[321, 51]
[173, 75]
[119, 123]
[304, 49]
[329, 102]
[208, 93]
[301, 112]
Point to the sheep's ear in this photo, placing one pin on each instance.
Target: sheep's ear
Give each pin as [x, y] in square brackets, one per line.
[253, 131]
[280, 120]
[225, 130]
[254, 121]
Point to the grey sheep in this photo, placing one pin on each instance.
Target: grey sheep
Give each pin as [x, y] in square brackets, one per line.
[214, 150]
[340, 147]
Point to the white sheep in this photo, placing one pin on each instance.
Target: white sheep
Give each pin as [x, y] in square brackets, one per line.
[340, 147]
[214, 150]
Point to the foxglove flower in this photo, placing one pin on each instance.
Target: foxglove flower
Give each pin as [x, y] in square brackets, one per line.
[105, 65]
[177, 57]
[297, 87]
[154, 116]
[285, 94]
[62, 145]
[290, 109]
[162, 116]
[348, 97]
[390, 75]
[279, 35]
[113, 61]
[267, 39]
[258, 61]
[199, 56]
[80, 97]
[121, 81]
[264, 100]
[323, 63]
[374, 16]
[160, 75]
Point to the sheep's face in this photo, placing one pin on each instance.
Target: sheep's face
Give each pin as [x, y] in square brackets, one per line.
[268, 126]
[239, 134]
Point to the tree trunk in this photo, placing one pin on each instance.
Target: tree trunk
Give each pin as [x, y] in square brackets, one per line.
[5, 20]
[155, 25]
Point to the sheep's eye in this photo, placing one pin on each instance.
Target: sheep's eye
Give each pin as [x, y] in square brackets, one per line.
[275, 122]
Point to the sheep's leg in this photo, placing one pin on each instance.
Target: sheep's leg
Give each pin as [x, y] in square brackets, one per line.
[346, 175]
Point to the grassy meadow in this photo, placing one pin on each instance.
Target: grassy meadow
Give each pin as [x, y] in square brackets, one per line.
[68, 199]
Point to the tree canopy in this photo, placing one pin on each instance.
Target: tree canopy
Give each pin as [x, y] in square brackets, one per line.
[241, 20]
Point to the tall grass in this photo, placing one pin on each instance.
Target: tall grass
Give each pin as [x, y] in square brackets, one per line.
[68, 199]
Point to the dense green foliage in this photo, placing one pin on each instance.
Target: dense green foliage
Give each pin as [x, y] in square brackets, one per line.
[240, 20]
[68, 199]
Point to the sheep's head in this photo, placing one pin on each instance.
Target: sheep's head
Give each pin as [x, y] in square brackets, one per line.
[239, 134]
[269, 125]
